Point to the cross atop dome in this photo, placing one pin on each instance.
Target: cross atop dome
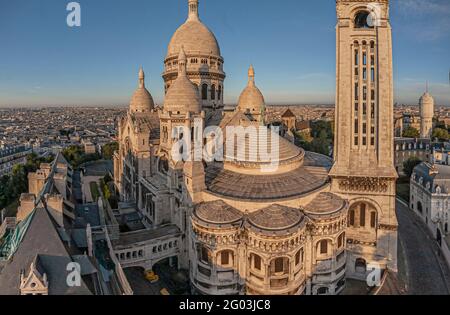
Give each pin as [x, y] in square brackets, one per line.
[193, 10]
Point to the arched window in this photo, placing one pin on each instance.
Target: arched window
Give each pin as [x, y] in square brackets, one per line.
[226, 258]
[213, 92]
[299, 257]
[360, 266]
[205, 256]
[163, 165]
[362, 215]
[279, 265]
[351, 218]
[256, 262]
[373, 219]
[219, 93]
[363, 19]
[419, 207]
[323, 247]
[341, 240]
[204, 91]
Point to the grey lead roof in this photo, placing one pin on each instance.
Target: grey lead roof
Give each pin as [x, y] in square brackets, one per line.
[41, 239]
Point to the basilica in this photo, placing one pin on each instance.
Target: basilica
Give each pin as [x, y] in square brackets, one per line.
[237, 225]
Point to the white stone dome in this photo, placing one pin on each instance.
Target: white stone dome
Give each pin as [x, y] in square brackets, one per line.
[276, 218]
[251, 99]
[142, 100]
[183, 95]
[194, 36]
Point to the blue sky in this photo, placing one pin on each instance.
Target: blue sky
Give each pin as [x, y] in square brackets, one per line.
[291, 44]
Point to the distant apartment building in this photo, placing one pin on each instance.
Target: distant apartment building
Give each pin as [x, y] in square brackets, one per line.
[429, 199]
[406, 148]
[11, 156]
[89, 148]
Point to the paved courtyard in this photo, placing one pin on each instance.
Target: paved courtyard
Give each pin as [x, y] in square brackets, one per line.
[173, 281]
[420, 267]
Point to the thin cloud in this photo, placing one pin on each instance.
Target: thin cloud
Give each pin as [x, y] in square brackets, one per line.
[419, 13]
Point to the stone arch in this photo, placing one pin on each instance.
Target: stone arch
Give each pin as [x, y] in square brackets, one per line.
[163, 164]
[279, 264]
[363, 214]
[319, 247]
[368, 201]
[360, 266]
[420, 207]
[204, 91]
[226, 257]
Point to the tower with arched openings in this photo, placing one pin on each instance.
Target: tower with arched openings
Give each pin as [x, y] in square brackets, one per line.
[363, 170]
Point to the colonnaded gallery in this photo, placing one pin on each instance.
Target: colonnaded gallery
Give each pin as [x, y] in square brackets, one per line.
[239, 227]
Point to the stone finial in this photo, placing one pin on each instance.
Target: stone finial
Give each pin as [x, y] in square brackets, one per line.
[251, 75]
[141, 77]
[182, 62]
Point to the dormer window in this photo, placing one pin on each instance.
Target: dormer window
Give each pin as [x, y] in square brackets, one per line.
[438, 190]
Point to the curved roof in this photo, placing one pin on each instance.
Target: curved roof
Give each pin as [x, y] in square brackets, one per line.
[275, 217]
[217, 212]
[310, 177]
[142, 100]
[183, 95]
[251, 99]
[194, 36]
[325, 203]
[248, 151]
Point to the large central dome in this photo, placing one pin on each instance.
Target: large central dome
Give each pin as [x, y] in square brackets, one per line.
[194, 36]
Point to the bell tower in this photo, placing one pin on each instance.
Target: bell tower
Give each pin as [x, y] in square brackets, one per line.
[363, 170]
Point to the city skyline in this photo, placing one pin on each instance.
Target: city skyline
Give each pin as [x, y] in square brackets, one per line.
[97, 64]
[174, 191]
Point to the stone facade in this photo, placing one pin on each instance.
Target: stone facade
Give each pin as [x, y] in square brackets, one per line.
[364, 170]
[429, 199]
[240, 225]
[406, 148]
[204, 61]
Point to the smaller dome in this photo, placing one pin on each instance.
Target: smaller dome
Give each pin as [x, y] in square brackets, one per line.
[251, 99]
[218, 212]
[142, 100]
[276, 217]
[324, 204]
[183, 95]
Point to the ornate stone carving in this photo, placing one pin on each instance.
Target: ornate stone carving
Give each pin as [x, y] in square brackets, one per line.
[364, 184]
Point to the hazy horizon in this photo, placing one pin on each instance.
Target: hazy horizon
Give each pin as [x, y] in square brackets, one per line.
[46, 63]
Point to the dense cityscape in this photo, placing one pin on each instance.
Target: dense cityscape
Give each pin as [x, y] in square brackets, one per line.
[183, 197]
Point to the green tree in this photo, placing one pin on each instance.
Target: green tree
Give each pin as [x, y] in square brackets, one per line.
[411, 132]
[410, 164]
[109, 149]
[75, 156]
[321, 144]
[441, 134]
